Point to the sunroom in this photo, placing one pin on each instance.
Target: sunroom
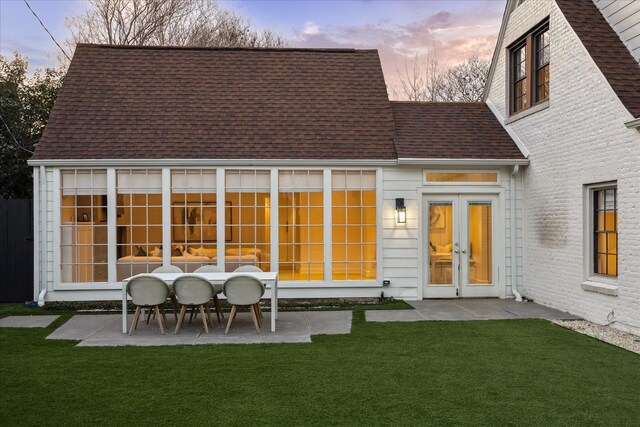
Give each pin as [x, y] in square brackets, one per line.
[316, 227]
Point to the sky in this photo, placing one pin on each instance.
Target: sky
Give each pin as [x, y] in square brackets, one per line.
[399, 29]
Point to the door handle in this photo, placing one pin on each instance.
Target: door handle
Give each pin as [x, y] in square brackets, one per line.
[464, 251]
[455, 250]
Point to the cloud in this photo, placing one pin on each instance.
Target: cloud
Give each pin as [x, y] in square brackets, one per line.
[311, 28]
[451, 36]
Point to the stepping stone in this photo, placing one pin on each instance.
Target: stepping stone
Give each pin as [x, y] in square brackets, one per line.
[80, 327]
[27, 321]
[329, 322]
[393, 316]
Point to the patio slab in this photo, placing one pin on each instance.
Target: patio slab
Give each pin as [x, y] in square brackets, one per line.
[27, 321]
[468, 309]
[292, 327]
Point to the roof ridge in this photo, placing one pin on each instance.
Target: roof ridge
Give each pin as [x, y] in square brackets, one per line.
[211, 48]
[438, 102]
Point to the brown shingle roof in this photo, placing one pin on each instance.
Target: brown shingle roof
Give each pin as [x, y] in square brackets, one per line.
[450, 130]
[607, 50]
[153, 103]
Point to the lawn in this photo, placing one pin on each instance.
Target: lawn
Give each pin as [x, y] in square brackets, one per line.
[514, 372]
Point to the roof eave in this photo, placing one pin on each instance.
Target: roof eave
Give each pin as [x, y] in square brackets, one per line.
[209, 162]
[633, 124]
[461, 162]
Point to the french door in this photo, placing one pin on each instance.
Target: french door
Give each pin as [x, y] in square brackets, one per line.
[459, 256]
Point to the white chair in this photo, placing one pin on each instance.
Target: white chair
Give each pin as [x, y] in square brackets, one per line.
[148, 291]
[251, 269]
[193, 291]
[172, 297]
[217, 289]
[243, 290]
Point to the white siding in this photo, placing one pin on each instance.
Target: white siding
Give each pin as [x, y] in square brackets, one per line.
[49, 258]
[579, 139]
[624, 18]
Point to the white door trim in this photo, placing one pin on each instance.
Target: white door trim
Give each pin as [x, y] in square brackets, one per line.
[500, 243]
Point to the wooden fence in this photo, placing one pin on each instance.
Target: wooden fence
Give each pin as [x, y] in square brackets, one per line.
[16, 250]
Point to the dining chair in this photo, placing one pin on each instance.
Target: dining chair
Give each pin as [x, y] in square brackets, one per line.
[147, 291]
[172, 297]
[217, 289]
[193, 291]
[243, 290]
[252, 269]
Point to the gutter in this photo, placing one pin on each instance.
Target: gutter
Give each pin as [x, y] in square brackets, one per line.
[211, 162]
[462, 162]
[633, 124]
[512, 200]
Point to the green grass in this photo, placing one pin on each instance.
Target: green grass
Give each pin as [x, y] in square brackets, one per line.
[515, 372]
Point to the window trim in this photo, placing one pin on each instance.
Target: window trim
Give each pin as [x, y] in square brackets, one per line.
[589, 235]
[528, 41]
[425, 182]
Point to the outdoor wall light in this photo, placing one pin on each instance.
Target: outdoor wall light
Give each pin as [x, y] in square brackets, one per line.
[401, 211]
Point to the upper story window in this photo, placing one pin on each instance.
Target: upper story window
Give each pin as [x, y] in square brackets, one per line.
[529, 69]
[605, 230]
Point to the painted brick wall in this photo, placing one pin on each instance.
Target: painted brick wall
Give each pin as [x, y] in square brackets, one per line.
[579, 139]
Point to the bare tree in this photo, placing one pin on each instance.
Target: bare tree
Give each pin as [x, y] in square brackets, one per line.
[423, 79]
[201, 23]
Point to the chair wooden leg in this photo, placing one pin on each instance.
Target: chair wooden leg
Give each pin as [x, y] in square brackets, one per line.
[183, 311]
[216, 304]
[134, 323]
[149, 314]
[207, 309]
[164, 315]
[204, 318]
[254, 316]
[176, 306]
[159, 318]
[231, 317]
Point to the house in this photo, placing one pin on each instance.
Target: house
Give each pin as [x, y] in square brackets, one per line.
[565, 83]
[295, 160]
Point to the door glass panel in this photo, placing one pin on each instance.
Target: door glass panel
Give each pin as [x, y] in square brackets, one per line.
[440, 243]
[480, 244]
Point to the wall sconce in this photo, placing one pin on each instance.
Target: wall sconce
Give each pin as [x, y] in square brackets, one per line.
[401, 211]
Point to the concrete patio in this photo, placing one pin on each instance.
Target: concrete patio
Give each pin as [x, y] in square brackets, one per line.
[39, 321]
[468, 309]
[292, 327]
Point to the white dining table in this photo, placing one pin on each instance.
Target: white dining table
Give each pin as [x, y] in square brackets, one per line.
[269, 279]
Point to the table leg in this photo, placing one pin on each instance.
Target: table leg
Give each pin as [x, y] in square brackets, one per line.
[274, 305]
[124, 308]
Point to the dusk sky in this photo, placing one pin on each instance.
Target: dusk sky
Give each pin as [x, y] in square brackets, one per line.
[398, 29]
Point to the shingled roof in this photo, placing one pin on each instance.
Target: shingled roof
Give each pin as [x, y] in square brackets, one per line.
[615, 61]
[451, 130]
[159, 102]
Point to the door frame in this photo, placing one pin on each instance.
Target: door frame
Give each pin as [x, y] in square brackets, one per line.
[499, 218]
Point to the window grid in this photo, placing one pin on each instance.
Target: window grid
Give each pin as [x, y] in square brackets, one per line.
[354, 225]
[83, 218]
[301, 225]
[193, 218]
[519, 72]
[542, 64]
[139, 221]
[605, 239]
[248, 195]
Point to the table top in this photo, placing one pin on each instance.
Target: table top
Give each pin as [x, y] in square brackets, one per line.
[216, 277]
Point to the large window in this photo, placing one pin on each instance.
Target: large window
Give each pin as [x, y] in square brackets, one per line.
[193, 218]
[529, 69]
[605, 230]
[139, 223]
[300, 230]
[83, 221]
[248, 197]
[353, 210]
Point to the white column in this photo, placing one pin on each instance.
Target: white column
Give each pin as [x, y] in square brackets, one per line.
[274, 221]
[166, 216]
[220, 217]
[379, 225]
[55, 204]
[328, 256]
[112, 226]
[37, 249]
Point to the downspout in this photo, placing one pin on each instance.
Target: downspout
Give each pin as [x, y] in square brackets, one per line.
[512, 200]
[43, 236]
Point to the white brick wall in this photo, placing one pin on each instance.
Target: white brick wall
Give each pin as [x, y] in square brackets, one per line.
[579, 139]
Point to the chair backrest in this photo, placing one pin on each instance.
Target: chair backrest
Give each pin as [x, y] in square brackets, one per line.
[248, 269]
[146, 289]
[243, 290]
[192, 289]
[209, 269]
[168, 269]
